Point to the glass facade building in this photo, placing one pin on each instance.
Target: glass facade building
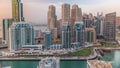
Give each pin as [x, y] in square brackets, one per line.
[66, 35]
[79, 34]
[21, 33]
[48, 38]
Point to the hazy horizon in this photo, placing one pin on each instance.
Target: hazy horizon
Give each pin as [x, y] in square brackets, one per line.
[35, 11]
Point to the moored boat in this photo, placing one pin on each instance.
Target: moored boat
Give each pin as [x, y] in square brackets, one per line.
[49, 62]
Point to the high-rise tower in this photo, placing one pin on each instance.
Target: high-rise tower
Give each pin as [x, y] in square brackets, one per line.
[17, 10]
[109, 26]
[52, 18]
[76, 14]
[65, 13]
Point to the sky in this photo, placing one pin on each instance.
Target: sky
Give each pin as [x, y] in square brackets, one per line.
[35, 11]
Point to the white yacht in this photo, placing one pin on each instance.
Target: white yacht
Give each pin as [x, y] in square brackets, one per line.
[49, 62]
[7, 67]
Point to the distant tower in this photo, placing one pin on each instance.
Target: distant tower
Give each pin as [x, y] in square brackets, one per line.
[88, 21]
[65, 13]
[52, 18]
[17, 10]
[21, 33]
[99, 23]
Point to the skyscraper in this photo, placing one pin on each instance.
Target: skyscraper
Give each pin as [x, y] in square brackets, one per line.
[66, 35]
[5, 28]
[21, 33]
[110, 26]
[48, 38]
[76, 14]
[17, 10]
[52, 18]
[65, 13]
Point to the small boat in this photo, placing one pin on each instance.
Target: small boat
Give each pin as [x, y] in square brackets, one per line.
[48, 62]
[7, 67]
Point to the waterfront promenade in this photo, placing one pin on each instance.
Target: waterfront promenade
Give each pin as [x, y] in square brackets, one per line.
[92, 56]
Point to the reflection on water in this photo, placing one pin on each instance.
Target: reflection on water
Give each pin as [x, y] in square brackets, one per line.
[19, 64]
[73, 64]
[113, 57]
[108, 56]
[33, 64]
[116, 63]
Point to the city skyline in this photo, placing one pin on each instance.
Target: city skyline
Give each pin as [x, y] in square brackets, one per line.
[36, 5]
[51, 31]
